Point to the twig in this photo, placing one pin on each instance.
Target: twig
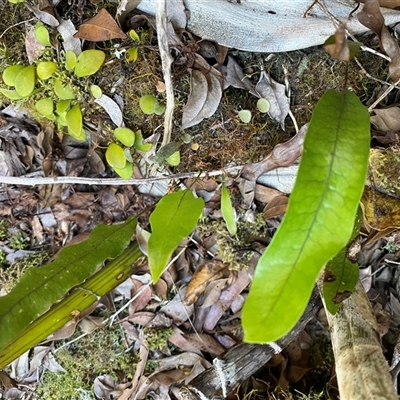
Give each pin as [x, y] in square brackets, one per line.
[166, 60]
[383, 95]
[25, 181]
[13, 26]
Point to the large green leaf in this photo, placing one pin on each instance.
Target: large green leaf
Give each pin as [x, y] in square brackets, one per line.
[319, 219]
[39, 288]
[341, 274]
[173, 219]
[77, 300]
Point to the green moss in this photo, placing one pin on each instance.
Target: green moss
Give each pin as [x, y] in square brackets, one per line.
[157, 339]
[101, 352]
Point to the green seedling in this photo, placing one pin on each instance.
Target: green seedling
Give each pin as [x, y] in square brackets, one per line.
[150, 105]
[245, 116]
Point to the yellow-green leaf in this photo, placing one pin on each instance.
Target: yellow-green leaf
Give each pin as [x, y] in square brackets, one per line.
[89, 62]
[115, 156]
[126, 172]
[228, 212]
[42, 34]
[74, 122]
[125, 135]
[45, 69]
[25, 81]
[45, 106]
[70, 60]
[10, 73]
[63, 92]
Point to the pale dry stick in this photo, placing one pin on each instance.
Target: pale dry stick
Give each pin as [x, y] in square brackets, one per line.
[361, 368]
[166, 61]
[13, 26]
[26, 181]
[368, 75]
[383, 95]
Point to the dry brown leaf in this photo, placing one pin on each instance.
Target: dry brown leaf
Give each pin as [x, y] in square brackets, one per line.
[275, 93]
[235, 77]
[205, 342]
[205, 95]
[340, 49]
[265, 194]
[207, 272]
[283, 155]
[372, 18]
[387, 119]
[100, 28]
[276, 207]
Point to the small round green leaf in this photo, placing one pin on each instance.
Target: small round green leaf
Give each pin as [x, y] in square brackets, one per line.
[125, 135]
[159, 109]
[263, 105]
[63, 92]
[10, 73]
[174, 159]
[96, 91]
[70, 60]
[126, 172]
[45, 106]
[42, 34]
[45, 69]
[147, 103]
[115, 156]
[245, 116]
[74, 122]
[89, 62]
[25, 81]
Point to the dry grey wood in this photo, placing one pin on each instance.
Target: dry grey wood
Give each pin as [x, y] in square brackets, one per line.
[268, 25]
[243, 360]
[361, 369]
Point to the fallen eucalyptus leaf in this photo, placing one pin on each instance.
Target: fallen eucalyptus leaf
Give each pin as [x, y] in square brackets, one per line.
[204, 97]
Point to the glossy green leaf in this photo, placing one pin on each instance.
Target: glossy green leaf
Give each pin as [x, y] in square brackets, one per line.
[319, 219]
[139, 142]
[174, 159]
[174, 217]
[126, 172]
[25, 81]
[62, 106]
[45, 106]
[89, 62]
[228, 212]
[70, 60]
[10, 73]
[45, 69]
[147, 103]
[63, 92]
[134, 36]
[115, 156]
[341, 274]
[125, 135]
[159, 109]
[74, 122]
[42, 34]
[10, 94]
[96, 91]
[80, 298]
[39, 288]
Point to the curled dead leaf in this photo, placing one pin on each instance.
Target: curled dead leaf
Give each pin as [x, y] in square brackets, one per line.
[372, 18]
[100, 28]
[207, 272]
[205, 95]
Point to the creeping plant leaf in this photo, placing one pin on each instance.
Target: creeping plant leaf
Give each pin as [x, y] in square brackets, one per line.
[174, 217]
[89, 62]
[319, 219]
